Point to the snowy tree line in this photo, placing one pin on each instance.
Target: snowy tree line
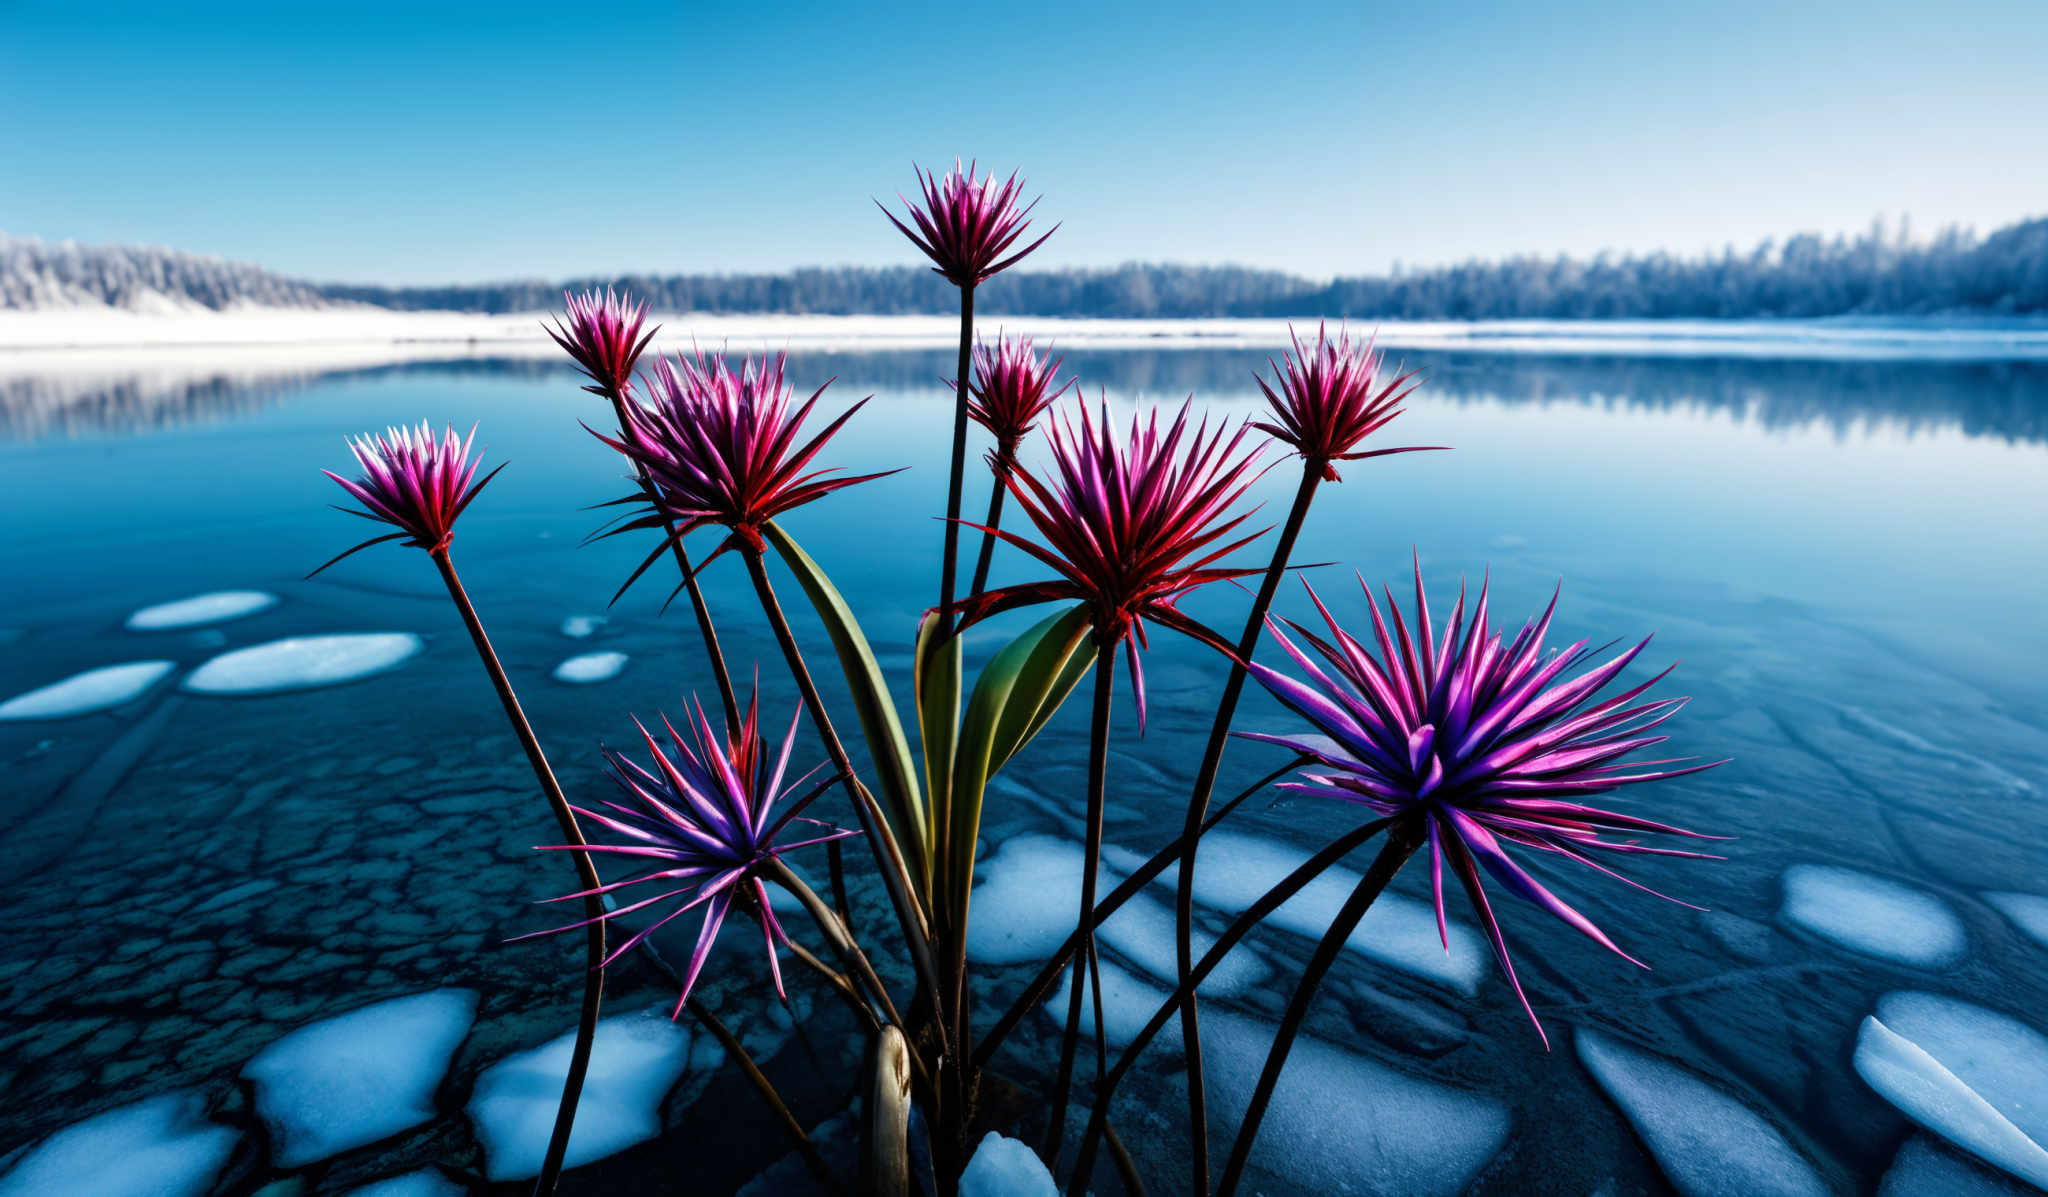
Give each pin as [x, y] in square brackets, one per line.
[1877, 273]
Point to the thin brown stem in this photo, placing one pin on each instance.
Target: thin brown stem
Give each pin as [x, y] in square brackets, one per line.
[836, 934]
[586, 874]
[794, 1129]
[1198, 805]
[960, 388]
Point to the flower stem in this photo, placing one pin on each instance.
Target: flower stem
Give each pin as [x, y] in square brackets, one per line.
[1402, 841]
[1310, 869]
[1005, 459]
[586, 873]
[1198, 805]
[835, 933]
[1084, 967]
[705, 627]
[946, 568]
[888, 855]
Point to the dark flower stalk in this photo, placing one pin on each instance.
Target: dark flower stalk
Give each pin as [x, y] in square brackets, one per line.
[421, 486]
[1012, 387]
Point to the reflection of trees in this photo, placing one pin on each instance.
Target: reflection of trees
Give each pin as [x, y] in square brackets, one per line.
[2006, 399]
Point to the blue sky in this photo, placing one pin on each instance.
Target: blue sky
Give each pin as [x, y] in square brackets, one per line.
[423, 141]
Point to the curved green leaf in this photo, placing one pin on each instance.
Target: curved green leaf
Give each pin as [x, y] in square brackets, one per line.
[935, 680]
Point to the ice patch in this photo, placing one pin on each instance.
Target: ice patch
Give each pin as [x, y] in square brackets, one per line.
[590, 667]
[161, 1147]
[218, 607]
[2028, 912]
[1969, 1075]
[302, 662]
[350, 1080]
[634, 1061]
[83, 693]
[1708, 1143]
[1924, 1168]
[427, 1182]
[1003, 1167]
[1233, 871]
[582, 627]
[1873, 916]
[1127, 1005]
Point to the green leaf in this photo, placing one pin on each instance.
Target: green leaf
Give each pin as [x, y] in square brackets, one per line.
[935, 679]
[1057, 664]
[879, 723]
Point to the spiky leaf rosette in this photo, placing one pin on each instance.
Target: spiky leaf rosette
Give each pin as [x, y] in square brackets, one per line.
[414, 483]
[1330, 397]
[1493, 744]
[1013, 385]
[701, 826]
[603, 334]
[967, 224]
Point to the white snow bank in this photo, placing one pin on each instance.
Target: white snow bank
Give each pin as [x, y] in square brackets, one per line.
[83, 693]
[590, 667]
[1972, 1076]
[303, 662]
[634, 1061]
[1872, 915]
[1709, 1143]
[427, 1182]
[582, 627]
[218, 607]
[2028, 912]
[1003, 1167]
[350, 1080]
[160, 1147]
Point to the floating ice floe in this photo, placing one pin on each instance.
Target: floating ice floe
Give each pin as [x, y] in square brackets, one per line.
[582, 627]
[1028, 903]
[218, 607]
[427, 1182]
[1972, 1076]
[350, 1080]
[1873, 916]
[1924, 1168]
[1233, 871]
[84, 693]
[1003, 1167]
[302, 662]
[1708, 1143]
[634, 1061]
[160, 1147]
[590, 667]
[2028, 912]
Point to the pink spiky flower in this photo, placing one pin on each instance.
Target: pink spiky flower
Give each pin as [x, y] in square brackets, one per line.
[1331, 397]
[1489, 743]
[1129, 526]
[413, 482]
[1013, 385]
[698, 825]
[720, 447]
[602, 333]
[967, 224]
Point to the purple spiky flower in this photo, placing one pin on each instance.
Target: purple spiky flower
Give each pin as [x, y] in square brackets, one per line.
[602, 333]
[1490, 744]
[719, 446]
[967, 224]
[698, 825]
[1131, 525]
[1330, 397]
[413, 482]
[1013, 385]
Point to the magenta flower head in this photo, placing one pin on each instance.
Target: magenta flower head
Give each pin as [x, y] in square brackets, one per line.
[720, 447]
[700, 826]
[603, 334]
[1490, 744]
[1130, 526]
[1012, 387]
[414, 483]
[1331, 397]
[967, 224]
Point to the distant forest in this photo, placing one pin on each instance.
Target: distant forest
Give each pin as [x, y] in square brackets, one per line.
[1807, 275]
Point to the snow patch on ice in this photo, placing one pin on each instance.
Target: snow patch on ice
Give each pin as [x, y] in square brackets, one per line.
[1873, 916]
[427, 1182]
[1708, 1143]
[582, 627]
[1003, 1167]
[590, 667]
[1127, 1005]
[218, 607]
[355, 1078]
[1924, 1168]
[160, 1147]
[302, 662]
[1972, 1076]
[634, 1061]
[2028, 912]
[83, 693]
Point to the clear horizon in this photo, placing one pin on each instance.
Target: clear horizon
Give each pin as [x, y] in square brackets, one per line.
[485, 143]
